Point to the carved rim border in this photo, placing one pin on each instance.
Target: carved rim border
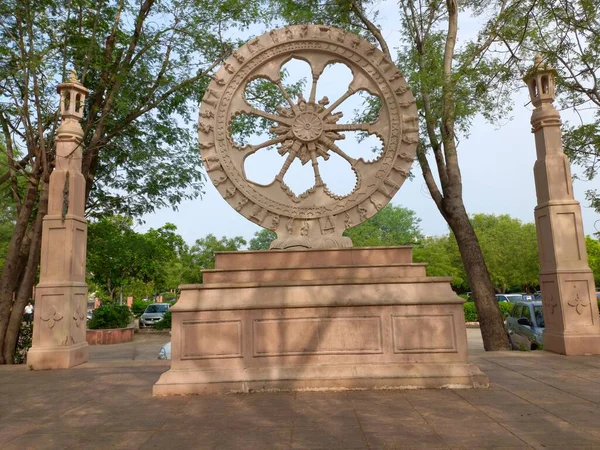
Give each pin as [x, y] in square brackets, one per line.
[393, 165]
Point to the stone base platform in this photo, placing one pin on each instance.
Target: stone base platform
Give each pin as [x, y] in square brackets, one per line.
[63, 357]
[318, 319]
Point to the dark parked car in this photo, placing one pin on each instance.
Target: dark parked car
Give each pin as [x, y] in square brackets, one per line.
[525, 325]
[153, 313]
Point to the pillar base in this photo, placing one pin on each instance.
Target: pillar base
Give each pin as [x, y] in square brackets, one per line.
[326, 377]
[571, 343]
[60, 357]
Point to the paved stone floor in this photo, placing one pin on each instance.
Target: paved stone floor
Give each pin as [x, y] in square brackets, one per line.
[536, 400]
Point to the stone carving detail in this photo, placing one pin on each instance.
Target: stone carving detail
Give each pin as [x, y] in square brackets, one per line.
[51, 319]
[308, 130]
[578, 304]
[78, 316]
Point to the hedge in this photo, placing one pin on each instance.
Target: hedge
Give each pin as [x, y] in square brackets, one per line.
[165, 323]
[110, 316]
[471, 312]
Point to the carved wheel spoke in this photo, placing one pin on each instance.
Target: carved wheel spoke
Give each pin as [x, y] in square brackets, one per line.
[338, 102]
[349, 127]
[272, 117]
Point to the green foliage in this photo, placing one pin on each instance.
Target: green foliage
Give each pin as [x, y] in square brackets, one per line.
[110, 315]
[262, 239]
[443, 259]
[7, 207]
[593, 254]
[510, 250]
[393, 225]
[119, 257]
[508, 245]
[138, 307]
[23, 343]
[168, 297]
[567, 35]
[145, 68]
[505, 308]
[202, 256]
[471, 311]
[165, 323]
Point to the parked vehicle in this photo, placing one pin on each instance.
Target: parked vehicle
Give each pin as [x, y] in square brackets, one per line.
[153, 313]
[525, 325]
[509, 297]
[165, 351]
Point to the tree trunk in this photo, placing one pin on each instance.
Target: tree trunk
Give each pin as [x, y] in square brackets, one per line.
[491, 324]
[27, 281]
[13, 266]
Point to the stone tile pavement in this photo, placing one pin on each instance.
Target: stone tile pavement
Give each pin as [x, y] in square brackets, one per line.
[536, 400]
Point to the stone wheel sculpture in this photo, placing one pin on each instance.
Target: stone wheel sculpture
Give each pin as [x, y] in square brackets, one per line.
[307, 129]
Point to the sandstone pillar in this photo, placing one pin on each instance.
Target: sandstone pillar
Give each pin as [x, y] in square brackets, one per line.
[59, 339]
[567, 283]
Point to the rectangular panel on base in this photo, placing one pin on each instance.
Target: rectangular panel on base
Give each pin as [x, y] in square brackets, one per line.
[317, 336]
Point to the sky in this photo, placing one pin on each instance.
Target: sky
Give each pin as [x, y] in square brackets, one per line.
[496, 163]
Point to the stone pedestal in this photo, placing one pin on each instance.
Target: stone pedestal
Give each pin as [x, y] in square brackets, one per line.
[566, 281]
[59, 334]
[318, 319]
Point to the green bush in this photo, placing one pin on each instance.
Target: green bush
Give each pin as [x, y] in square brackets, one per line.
[110, 316]
[138, 307]
[23, 342]
[471, 311]
[505, 308]
[165, 323]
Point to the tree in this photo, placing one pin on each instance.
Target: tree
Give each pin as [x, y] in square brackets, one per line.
[451, 86]
[147, 65]
[202, 255]
[393, 225]
[567, 35]
[593, 252]
[119, 258]
[510, 250]
[262, 239]
[508, 245]
[443, 259]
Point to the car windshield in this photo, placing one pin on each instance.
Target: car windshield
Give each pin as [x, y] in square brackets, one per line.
[514, 297]
[157, 308]
[539, 316]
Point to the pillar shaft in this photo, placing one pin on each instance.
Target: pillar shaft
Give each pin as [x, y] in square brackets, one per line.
[59, 333]
[567, 283]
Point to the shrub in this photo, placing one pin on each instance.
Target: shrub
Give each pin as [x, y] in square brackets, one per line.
[165, 323]
[138, 307]
[471, 311]
[110, 316]
[505, 308]
[23, 342]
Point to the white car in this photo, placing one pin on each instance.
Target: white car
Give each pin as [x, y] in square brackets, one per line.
[165, 351]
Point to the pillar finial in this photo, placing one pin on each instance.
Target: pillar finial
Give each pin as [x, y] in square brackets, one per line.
[72, 97]
[541, 81]
[73, 77]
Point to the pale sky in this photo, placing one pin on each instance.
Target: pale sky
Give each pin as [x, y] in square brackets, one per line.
[496, 164]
